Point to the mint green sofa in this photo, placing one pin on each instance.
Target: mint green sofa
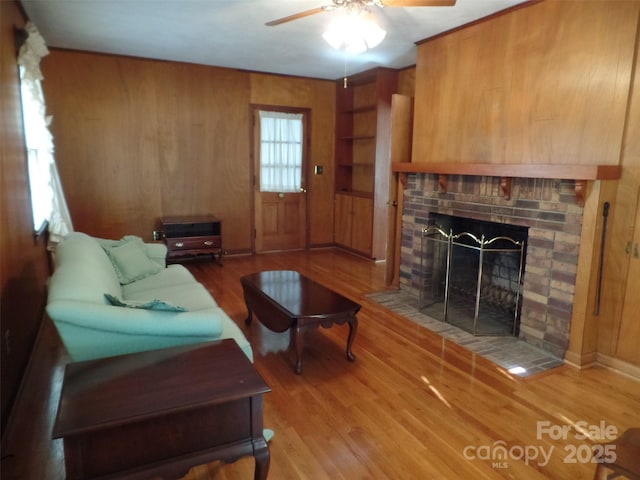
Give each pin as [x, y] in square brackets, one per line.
[109, 297]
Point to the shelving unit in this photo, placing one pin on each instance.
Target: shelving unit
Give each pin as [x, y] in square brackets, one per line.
[363, 114]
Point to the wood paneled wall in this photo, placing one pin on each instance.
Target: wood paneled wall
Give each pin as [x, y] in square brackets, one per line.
[407, 81]
[546, 83]
[23, 260]
[138, 139]
[319, 97]
[624, 230]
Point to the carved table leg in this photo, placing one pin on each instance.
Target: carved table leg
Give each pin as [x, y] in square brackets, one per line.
[353, 328]
[263, 459]
[298, 336]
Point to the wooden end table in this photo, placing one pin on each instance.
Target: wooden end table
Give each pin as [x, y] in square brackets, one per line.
[192, 236]
[161, 412]
[285, 299]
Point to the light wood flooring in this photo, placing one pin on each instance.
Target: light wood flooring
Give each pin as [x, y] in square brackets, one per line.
[412, 406]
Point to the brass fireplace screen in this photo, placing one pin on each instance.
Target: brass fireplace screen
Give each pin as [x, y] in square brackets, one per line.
[472, 282]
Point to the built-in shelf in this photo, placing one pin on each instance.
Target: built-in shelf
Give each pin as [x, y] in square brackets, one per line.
[580, 173]
[363, 154]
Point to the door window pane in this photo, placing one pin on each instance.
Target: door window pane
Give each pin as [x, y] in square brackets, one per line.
[281, 136]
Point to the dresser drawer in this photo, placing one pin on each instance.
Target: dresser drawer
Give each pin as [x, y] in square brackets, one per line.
[193, 243]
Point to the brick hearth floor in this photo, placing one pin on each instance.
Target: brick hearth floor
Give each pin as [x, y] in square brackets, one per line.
[508, 352]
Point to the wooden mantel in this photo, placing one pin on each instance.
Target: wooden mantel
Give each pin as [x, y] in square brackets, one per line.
[580, 173]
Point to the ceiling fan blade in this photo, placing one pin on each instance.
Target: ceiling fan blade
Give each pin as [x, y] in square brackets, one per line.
[295, 16]
[418, 3]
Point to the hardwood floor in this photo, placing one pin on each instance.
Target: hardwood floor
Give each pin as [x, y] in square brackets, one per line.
[412, 405]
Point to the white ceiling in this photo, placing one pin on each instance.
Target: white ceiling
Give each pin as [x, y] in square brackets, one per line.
[232, 33]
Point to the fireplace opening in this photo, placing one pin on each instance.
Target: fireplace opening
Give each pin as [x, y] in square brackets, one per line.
[472, 273]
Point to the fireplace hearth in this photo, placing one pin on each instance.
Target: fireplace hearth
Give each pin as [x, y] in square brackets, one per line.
[547, 210]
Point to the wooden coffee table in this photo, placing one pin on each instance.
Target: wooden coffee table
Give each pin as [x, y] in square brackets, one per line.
[285, 299]
[159, 413]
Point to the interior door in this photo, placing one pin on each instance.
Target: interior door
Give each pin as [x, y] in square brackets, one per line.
[401, 135]
[280, 217]
[627, 348]
[619, 327]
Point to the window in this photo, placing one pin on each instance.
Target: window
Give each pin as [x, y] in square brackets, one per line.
[39, 151]
[281, 137]
[47, 197]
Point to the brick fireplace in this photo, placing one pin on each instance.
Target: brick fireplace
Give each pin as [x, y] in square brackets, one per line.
[547, 207]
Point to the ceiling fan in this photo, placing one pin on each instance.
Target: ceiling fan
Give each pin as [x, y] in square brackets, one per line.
[359, 5]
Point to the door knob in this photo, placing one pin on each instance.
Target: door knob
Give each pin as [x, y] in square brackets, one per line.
[303, 190]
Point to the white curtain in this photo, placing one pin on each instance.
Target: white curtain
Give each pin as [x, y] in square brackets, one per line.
[47, 196]
[280, 151]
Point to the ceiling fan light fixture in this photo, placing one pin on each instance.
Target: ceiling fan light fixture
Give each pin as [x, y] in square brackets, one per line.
[354, 33]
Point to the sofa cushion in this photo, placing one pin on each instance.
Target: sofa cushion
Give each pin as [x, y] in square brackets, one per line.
[83, 271]
[88, 344]
[171, 276]
[130, 261]
[192, 296]
[154, 304]
[155, 251]
[136, 321]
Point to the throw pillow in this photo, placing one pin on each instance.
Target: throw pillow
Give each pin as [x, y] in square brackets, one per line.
[130, 260]
[148, 305]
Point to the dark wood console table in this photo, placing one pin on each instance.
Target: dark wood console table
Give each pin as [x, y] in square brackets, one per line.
[160, 413]
[191, 236]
